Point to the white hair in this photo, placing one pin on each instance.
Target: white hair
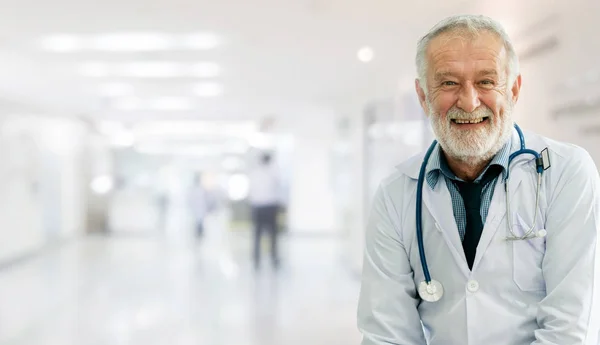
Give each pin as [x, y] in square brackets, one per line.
[473, 24]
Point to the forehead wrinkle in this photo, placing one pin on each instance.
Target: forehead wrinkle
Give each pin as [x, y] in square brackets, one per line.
[443, 54]
[480, 65]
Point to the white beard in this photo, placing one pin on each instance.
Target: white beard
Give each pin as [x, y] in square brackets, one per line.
[473, 146]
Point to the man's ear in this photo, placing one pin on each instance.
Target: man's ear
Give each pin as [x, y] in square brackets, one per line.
[422, 96]
[516, 89]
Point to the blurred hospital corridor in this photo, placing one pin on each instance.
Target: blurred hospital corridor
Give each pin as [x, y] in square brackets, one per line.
[171, 289]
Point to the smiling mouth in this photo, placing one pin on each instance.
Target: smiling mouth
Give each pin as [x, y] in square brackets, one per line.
[470, 121]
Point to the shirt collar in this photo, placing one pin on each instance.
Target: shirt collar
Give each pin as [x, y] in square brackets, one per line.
[438, 165]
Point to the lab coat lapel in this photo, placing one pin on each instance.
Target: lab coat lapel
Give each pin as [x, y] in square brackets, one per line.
[497, 211]
[439, 204]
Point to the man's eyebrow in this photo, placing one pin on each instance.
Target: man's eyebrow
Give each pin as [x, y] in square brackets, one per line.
[490, 72]
[443, 74]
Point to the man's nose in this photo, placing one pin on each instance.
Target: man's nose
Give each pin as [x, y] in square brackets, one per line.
[468, 99]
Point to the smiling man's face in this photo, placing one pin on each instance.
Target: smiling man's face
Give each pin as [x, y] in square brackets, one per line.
[469, 101]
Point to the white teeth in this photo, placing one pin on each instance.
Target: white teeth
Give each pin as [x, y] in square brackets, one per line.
[468, 121]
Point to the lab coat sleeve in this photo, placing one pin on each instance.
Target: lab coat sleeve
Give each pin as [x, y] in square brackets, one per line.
[569, 314]
[387, 308]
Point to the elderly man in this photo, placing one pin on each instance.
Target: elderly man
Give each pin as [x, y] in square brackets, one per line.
[491, 237]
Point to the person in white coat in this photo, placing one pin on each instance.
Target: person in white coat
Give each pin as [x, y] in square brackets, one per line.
[199, 201]
[265, 199]
[505, 266]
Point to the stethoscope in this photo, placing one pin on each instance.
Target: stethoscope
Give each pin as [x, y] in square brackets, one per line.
[432, 290]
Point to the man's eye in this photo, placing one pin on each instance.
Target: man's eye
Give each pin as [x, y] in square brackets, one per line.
[449, 83]
[487, 82]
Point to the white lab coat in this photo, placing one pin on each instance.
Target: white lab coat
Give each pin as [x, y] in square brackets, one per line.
[198, 200]
[540, 291]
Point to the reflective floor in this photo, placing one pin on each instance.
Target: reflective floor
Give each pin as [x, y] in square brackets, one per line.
[170, 288]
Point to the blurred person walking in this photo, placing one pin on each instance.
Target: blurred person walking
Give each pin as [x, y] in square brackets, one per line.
[265, 200]
[199, 204]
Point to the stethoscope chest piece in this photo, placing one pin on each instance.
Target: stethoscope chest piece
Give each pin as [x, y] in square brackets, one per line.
[431, 292]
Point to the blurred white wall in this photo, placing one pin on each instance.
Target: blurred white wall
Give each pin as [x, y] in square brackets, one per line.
[65, 141]
[311, 202]
[42, 182]
[311, 208]
[567, 73]
[356, 214]
[20, 212]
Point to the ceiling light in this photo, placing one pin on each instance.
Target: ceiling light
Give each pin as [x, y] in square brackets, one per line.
[166, 128]
[208, 89]
[150, 69]
[110, 127]
[116, 89]
[365, 54]
[238, 187]
[158, 104]
[122, 42]
[171, 103]
[201, 41]
[118, 42]
[61, 43]
[102, 184]
[94, 69]
[130, 103]
[205, 70]
[178, 150]
[123, 139]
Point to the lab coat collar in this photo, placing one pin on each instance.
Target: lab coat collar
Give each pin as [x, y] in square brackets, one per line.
[412, 166]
